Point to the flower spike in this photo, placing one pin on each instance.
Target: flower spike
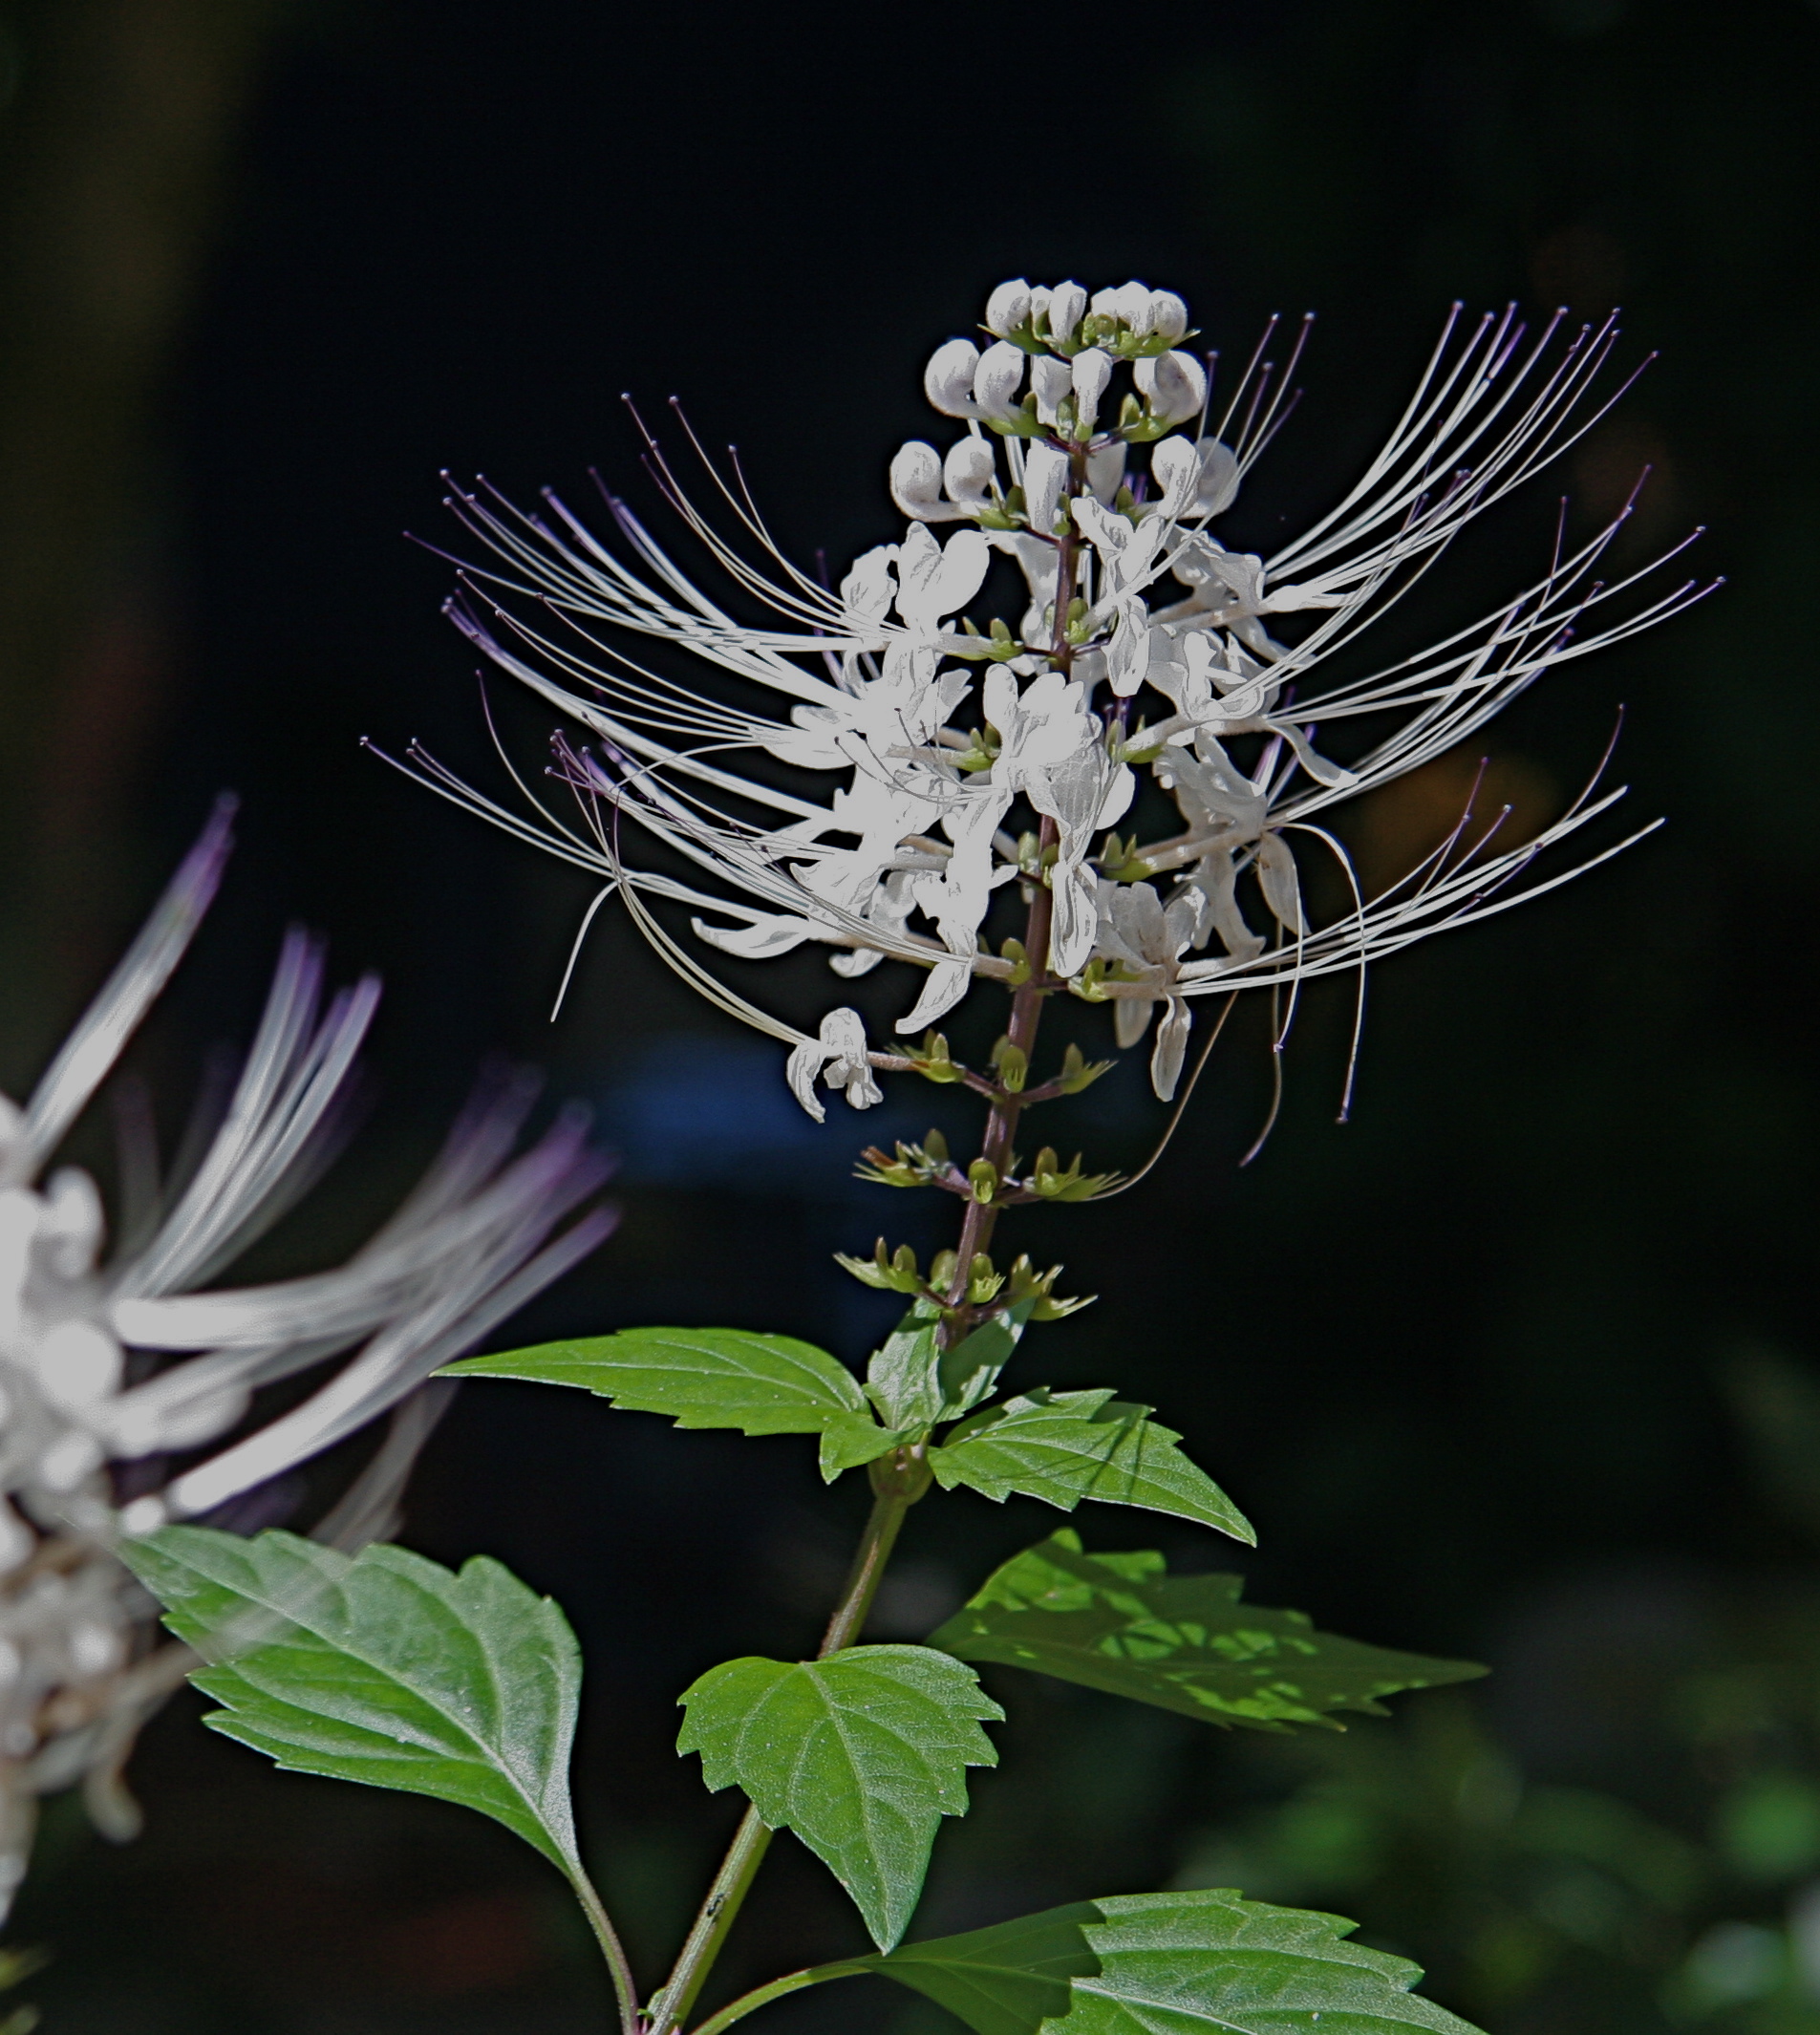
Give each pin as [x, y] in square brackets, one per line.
[973, 754]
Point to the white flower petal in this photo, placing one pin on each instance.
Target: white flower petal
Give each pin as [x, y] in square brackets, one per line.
[1008, 307]
[1045, 475]
[948, 381]
[1090, 372]
[1171, 1047]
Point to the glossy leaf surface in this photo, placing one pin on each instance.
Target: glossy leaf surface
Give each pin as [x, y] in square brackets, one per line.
[383, 1668]
[861, 1755]
[1064, 1447]
[1205, 1963]
[904, 1379]
[1122, 1623]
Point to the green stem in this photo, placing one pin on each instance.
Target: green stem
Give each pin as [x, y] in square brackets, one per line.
[611, 1948]
[719, 1912]
[763, 1995]
[898, 1482]
[898, 1479]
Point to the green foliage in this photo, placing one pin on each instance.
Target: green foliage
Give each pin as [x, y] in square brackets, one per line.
[968, 1372]
[1004, 1980]
[903, 1378]
[1120, 1622]
[384, 1668]
[915, 1383]
[1168, 1964]
[861, 1754]
[1064, 1447]
[852, 1439]
[702, 1377]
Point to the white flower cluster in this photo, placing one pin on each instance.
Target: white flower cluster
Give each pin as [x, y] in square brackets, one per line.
[975, 760]
[118, 1372]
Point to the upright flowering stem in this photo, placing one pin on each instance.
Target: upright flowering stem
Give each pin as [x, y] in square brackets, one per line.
[1149, 653]
[901, 1477]
[1026, 1003]
[897, 1483]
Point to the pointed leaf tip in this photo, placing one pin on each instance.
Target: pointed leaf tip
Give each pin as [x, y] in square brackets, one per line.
[1121, 1623]
[861, 1755]
[1199, 1963]
[1064, 1447]
[700, 1377]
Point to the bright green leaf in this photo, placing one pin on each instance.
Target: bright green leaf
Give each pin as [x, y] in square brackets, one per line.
[861, 1754]
[850, 1439]
[1064, 1447]
[1215, 1962]
[1194, 1963]
[903, 1380]
[383, 1667]
[702, 1377]
[1120, 1622]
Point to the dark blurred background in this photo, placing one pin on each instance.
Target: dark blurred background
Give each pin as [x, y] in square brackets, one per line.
[1518, 1364]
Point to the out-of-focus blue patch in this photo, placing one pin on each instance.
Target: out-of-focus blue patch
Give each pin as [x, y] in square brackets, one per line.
[707, 1112]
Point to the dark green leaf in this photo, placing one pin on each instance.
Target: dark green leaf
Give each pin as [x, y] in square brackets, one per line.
[384, 1668]
[850, 1439]
[1215, 1962]
[1120, 1622]
[861, 1754]
[1193, 1963]
[904, 1379]
[1064, 1447]
[1004, 1980]
[970, 1370]
[702, 1376]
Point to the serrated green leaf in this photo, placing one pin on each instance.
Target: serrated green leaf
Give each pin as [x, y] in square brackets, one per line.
[1122, 1623]
[850, 1439]
[1213, 1961]
[904, 1379]
[1169, 1964]
[702, 1377]
[1064, 1447]
[383, 1668]
[861, 1755]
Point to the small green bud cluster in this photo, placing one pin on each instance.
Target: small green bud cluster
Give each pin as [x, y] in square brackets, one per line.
[924, 1165]
[889, 1271]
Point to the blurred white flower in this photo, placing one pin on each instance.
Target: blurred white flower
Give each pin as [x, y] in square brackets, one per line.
[976, 755]
[128, 1378]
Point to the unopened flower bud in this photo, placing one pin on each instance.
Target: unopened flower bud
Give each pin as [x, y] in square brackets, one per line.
[969, 469]
[1167, 315]
[1130, 301]
[1008, 307]
[1067, 307]
[1050, 380]
[948, 381]
[916, 479]
[1092, 371]
[1175, 466]
[995, 379]
[1045, 475]
[1174, 385]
